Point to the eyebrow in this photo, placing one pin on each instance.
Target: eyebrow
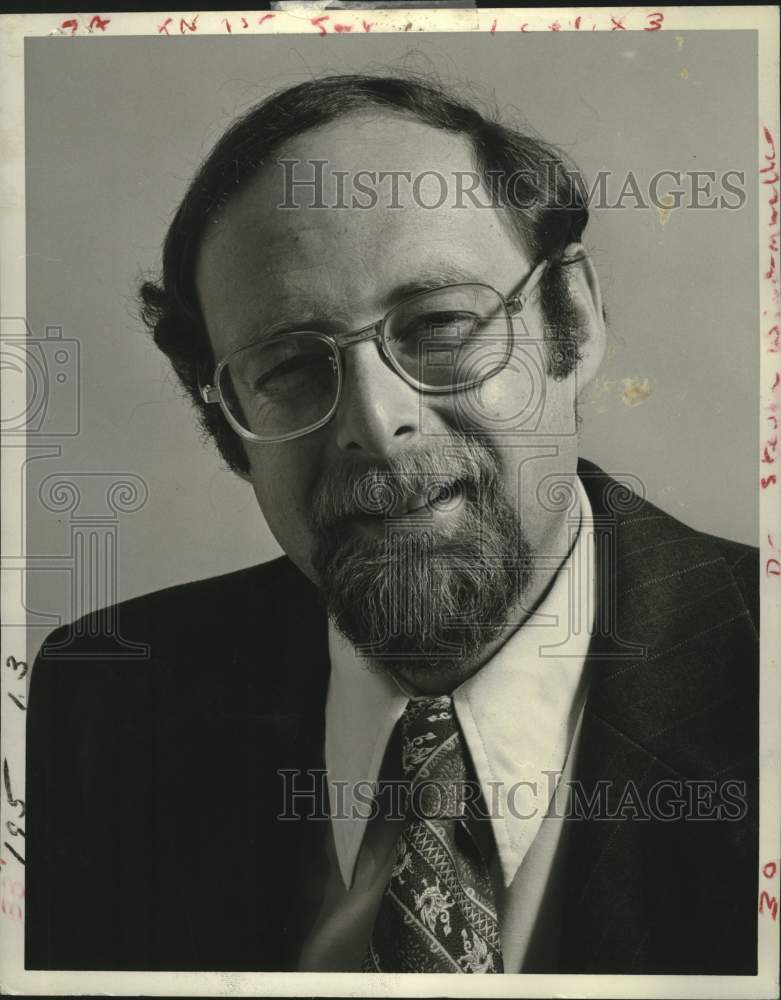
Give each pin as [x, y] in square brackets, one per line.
[289, 321]
[433, 277]
[430, 278]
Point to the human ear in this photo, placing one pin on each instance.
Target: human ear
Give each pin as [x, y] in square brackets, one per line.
[586, 302]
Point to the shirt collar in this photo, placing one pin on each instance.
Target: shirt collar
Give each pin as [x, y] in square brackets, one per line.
[518, 713]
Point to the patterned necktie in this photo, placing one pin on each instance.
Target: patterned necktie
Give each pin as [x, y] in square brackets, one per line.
[438, 912]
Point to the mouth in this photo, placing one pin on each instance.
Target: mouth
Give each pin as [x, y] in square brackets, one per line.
[440, 503]
[438, 498]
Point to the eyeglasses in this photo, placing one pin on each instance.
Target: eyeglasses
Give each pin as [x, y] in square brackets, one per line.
[441, 340]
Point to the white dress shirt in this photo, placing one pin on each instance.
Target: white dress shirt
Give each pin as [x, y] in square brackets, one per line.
[520, 716]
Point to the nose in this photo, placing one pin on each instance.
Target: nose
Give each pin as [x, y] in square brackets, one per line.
[378, 413]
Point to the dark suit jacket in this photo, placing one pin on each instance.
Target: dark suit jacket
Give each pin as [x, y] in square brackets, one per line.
[152, 785]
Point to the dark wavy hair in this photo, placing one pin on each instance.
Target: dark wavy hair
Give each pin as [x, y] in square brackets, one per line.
[526, 176]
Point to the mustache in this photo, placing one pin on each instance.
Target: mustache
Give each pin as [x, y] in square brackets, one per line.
[460, 466]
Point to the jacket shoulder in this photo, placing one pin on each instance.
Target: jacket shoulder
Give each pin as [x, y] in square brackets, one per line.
[181, 614]
[153, 726]
[743, 563]
[643, 530]
[197, 644]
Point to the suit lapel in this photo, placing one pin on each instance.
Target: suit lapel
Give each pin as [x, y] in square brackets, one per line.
[664, 703]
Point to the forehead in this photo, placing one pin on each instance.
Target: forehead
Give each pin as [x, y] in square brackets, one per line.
[259, 261]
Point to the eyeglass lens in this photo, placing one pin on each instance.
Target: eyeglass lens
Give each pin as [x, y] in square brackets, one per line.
[443, 339]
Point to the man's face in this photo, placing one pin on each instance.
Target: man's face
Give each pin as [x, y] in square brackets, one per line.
[265, 269]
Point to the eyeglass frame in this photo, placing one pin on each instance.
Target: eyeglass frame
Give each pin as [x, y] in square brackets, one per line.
[513, 306]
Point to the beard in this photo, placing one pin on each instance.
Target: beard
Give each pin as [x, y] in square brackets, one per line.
[420, 594]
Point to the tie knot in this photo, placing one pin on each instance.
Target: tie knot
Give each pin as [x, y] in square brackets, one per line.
[432, 756]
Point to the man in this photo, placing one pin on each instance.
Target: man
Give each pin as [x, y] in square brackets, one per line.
[560, 678]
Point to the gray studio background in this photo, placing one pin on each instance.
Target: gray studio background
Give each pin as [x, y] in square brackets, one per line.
[116, 127]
